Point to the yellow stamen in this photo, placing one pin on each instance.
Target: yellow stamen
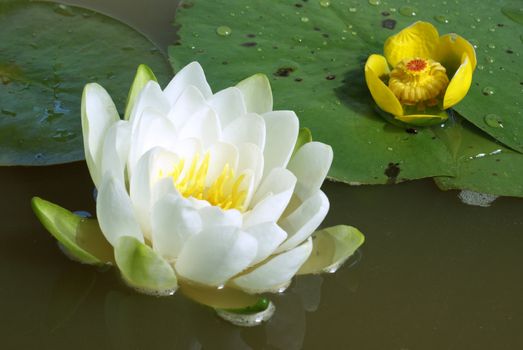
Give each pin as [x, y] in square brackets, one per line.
[224, 192]
[418, 81]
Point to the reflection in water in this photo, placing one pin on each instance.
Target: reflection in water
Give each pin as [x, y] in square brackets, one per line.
[141, 322]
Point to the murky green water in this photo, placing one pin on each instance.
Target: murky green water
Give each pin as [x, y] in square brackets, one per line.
[433, 273]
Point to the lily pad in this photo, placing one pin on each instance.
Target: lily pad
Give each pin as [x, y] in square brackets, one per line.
[81, 239]
[483, 164]
[315, 66]
[314, 52]
[48, 52]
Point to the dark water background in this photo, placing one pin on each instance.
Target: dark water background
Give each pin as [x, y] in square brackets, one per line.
[433, 274]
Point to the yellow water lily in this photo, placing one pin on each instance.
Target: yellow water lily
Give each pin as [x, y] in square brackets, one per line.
[421, 74]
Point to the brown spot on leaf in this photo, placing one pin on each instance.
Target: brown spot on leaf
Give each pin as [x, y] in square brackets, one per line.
[392, 172]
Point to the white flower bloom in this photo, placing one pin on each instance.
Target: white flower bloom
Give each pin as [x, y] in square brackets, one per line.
[208, 180]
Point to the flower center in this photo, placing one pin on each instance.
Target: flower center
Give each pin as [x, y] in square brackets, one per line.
[418, 81]
[224, 192]
[416, 65]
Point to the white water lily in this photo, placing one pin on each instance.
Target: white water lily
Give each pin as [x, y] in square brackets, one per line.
[209, 181]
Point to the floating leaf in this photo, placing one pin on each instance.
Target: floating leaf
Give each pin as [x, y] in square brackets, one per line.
[81, 238]
[143, 269]
[483, 164]
[315, 65]
[42, 74]
[314, 56]
[332, 247]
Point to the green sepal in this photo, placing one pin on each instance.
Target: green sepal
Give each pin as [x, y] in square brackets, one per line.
[261, 305]
[144, 74]
[304, 136]
[143, 269]
[332, 246]
[75, 234]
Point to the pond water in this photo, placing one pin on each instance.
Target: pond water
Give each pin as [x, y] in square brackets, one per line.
[434, 273]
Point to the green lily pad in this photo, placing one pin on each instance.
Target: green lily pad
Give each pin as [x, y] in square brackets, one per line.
[483, 164]
[315, 66]
[314, 53]
[332, 247]
[143, 269]
[42, 74]
[81, 239]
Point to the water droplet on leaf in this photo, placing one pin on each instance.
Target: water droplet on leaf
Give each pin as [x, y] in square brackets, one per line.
[223, 31]
[441, 19]
[64, 10]
[408, 11]
[493, 120]
[487, 91]
[325, 3]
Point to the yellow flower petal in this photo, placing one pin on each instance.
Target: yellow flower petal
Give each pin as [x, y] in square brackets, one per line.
[459, 84]
[421, 39]
[375, 67]
[451, 49]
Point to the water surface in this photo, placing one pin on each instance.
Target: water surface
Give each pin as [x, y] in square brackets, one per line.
[433, 274]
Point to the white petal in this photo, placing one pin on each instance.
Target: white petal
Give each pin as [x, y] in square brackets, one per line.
[228, 104]
[189, 102]
[251, 157]
[98, 114]
[271, 198]
[310, 165]
[279, 180]
[187, 148]
[191, 74]
[282, 131]
[116, 150]
[174, 221]
[213, 216]
[115, 212]
[154, 130]
[275, 273]
[302, 222]
[256, 93]
[151, 97]
[203, 125]
[221, 154]
[215, 255]
[150, 169]
[247, 129]
[269, 237]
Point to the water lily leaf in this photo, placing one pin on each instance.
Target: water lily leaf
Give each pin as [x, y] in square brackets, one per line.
[315, 67]
[332, 246]
[42, 74]
[81, 239]
[143, 269]
[483, 164]
[314, 53]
